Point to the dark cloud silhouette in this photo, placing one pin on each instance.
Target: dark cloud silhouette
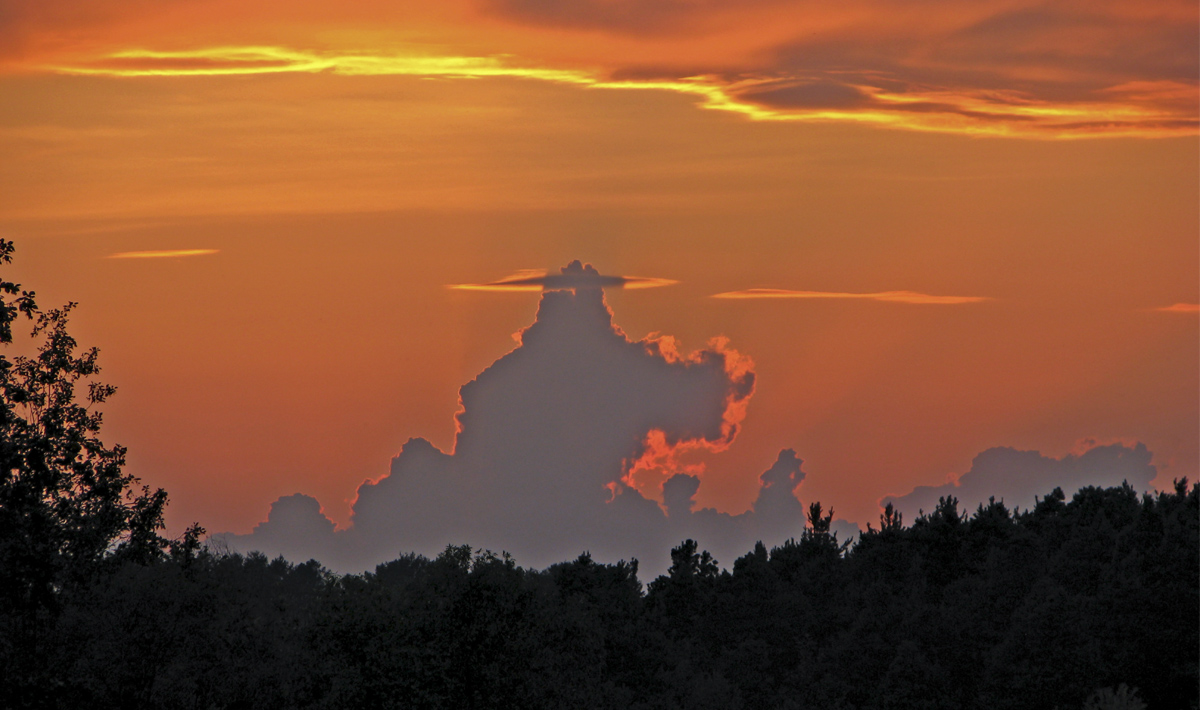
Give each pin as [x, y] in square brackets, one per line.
[546, 438]
[995, 68]
[295, 528]
[552, 438]
[1053, 68]
[821, 93]
[1109, 44]
[1018, 477]
[633, 17]
[774, 517]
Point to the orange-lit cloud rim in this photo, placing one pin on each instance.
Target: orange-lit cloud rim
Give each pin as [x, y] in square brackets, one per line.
[885, 296]
[1145, 109]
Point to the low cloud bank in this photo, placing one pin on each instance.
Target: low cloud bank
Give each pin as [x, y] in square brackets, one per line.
[558, 439]
[1019, 477]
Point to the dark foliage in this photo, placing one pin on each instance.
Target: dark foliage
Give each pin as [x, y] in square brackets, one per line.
[69, 515]
[1090, 600]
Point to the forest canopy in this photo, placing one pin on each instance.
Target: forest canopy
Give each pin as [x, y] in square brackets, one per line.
[1073, 602]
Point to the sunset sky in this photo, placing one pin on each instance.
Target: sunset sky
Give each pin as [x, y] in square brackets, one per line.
[935, 228]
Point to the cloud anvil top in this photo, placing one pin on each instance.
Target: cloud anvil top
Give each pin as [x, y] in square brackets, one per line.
[573, 276]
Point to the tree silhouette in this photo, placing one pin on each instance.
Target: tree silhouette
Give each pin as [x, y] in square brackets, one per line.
[66, 505]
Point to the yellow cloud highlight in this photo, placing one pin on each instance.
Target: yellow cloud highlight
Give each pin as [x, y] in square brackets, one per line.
[1180, 308]
[886, 296]
[162, 254]
[216, 61]
[981, 114]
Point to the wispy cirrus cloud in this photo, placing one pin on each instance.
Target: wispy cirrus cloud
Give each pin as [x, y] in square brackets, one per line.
[217, 61]
[891, 96]
[162, 254]
[573, 276]
[1188, 308]
[885, 296]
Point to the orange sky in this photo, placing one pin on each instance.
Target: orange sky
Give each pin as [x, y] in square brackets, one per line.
[1026, 172]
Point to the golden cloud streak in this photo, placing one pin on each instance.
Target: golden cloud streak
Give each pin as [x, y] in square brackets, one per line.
[493, 287]
[163, 254]
[646, 282]
[990, 114]
[1180, 308]
[520, 281]
[886, 296]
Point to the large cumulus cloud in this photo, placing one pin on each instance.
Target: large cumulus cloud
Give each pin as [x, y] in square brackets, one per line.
[559, 439]
[547, 438]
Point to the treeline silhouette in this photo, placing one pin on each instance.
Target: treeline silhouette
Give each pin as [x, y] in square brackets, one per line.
[1035, 609]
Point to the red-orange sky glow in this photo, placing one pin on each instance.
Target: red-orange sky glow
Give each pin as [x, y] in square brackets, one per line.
[934, 227]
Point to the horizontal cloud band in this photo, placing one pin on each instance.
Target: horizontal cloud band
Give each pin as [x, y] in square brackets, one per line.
[887, 296]
[162, 254]
[536, 280]
[1180, 308]
[1140, 109]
